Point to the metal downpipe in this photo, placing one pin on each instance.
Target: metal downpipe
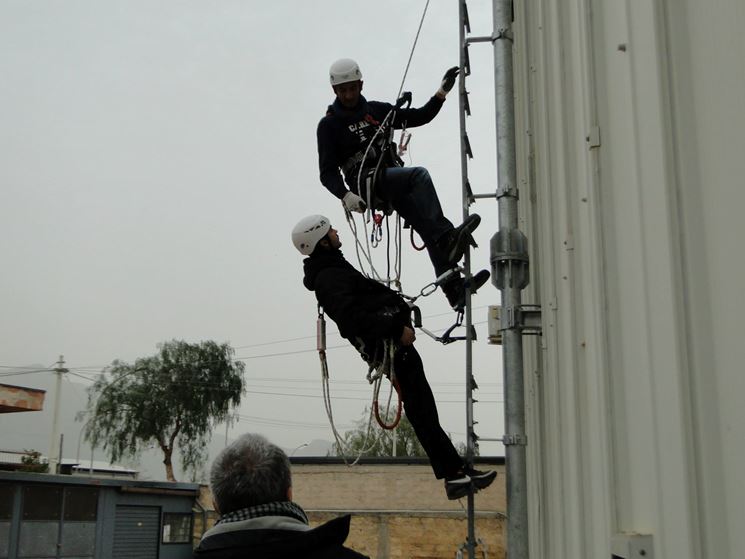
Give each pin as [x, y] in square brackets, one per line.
[510, 274]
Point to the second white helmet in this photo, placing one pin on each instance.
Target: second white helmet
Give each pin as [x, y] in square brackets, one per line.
[344, 70]
[308, 231]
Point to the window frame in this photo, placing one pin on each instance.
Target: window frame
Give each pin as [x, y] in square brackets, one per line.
[163, 523]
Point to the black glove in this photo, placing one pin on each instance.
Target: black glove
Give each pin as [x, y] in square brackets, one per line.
[448, 80]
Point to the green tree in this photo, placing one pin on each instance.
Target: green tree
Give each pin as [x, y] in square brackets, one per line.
[31, 462]
[172, 399]
[379, 442]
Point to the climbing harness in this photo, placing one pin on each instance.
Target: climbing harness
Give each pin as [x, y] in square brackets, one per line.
[381, 148]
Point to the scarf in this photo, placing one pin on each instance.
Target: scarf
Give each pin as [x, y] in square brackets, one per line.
[276, 508]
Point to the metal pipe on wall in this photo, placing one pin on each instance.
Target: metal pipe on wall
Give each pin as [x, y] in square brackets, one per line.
[510, 274]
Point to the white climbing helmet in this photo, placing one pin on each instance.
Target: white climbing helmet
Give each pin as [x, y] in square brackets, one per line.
[344, 70]
[308, 231]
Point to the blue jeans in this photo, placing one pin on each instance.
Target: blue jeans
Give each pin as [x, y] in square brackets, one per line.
[412, 194]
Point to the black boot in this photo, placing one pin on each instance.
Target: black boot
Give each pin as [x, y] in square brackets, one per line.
[466, 481]
[453, 244]
[455, 289]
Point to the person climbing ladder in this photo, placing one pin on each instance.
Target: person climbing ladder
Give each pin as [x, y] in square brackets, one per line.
[353, 140]
[372, 317]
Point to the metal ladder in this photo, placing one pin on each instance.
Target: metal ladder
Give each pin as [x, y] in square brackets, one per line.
[509, 260]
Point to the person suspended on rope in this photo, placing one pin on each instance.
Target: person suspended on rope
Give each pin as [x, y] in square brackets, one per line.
[371, 316]
[353, 139]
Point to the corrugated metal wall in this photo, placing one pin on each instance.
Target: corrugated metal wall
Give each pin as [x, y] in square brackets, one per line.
[136, 532]
[631, 116]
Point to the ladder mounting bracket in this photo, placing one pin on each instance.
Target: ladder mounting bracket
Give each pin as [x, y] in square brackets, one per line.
[515, 440]
[525, 318]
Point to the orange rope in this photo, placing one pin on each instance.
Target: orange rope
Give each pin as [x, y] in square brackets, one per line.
[414, 244]
[397, 419]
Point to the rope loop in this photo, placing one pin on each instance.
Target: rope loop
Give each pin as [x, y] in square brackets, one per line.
[413, 243]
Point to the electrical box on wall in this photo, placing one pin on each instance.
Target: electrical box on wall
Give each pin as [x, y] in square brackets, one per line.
[632, 546]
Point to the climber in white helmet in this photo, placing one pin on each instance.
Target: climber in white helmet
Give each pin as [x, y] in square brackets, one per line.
[370, 315]
[349, 144]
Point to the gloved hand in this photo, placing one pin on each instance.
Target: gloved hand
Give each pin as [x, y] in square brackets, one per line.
[354, 203]
[448, 81]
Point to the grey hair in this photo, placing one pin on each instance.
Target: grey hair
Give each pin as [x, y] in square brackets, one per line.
[251, 471]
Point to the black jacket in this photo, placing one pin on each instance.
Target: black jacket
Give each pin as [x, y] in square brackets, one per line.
[344, 133]
[365, 311]
[277, 538]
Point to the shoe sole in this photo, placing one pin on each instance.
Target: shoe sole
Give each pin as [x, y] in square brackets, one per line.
[474, 288]
[483, 482]
[476, 484]
[476, 284]
[464, 239]
[459, 492]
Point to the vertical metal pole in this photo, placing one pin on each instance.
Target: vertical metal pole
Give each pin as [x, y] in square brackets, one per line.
[53, 449]
[59, 462]
[509, 261]
[462, 11]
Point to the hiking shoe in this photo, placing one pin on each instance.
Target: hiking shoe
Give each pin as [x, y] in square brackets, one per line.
[481, 480]
[455, 289]
[458, 486]
[454, 243]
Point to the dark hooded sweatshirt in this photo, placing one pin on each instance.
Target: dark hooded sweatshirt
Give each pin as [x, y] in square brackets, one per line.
[365, 311]
[344, 133]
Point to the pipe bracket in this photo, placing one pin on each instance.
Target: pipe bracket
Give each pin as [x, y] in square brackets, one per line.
[515, 440]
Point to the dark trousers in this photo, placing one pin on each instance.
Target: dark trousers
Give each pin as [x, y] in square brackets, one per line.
[421, 410]
[412, 194]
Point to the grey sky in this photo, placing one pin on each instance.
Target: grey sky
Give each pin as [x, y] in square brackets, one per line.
[154, 157]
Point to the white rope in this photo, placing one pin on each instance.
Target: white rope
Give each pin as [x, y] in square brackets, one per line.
[413, 47]
[359, 248]
[397, 265]
[343, 449]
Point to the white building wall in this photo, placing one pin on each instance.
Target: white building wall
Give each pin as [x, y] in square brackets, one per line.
[631, 156]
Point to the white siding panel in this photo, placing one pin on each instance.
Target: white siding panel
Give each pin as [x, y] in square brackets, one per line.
[635, 414]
